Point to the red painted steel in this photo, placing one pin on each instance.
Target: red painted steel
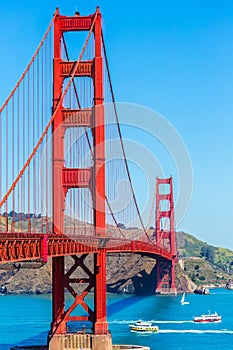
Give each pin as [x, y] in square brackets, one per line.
[99, 136]
[22, 246]
[74, 118]
[64, 178]
[68, 282]
[58, 135]
[165, 236]
[57, 325]
[77, 23]
[76, 178]
[98, 191]
[85, 69]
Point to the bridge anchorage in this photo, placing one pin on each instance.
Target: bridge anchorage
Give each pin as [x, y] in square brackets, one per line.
[74, 177]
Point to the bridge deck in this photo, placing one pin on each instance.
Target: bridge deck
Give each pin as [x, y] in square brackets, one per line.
[23, 246]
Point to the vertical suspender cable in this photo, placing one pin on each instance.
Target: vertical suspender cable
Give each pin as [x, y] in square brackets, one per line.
[23, 156]
[7, 158]
[46, 140]
[1, 155]
[18, 148]
[33, 142]
[29, 195]
[13, 162]
[50, 121]
[121, 140]
[41, 131]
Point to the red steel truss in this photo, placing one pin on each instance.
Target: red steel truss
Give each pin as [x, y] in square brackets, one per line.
[20, 247]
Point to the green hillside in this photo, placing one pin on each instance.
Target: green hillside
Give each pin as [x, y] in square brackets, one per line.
[204, 263]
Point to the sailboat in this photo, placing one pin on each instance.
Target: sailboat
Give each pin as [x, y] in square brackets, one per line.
[183, 302]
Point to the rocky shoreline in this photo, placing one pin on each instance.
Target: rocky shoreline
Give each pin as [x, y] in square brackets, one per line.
[126, 273]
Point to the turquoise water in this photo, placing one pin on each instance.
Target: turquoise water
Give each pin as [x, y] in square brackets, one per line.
[26, 319]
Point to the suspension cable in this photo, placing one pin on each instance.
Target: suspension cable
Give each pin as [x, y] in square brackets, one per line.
[29, 64]
[151, 213]
[52, 117]
[114, 218]
[121, 140]
[88, 139]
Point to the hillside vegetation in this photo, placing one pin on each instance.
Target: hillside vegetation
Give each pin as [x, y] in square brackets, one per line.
[204, 263]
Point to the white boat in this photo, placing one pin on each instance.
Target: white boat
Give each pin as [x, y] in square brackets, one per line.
[143, 326]
[183, 302]
[208, 318]
[3, 290]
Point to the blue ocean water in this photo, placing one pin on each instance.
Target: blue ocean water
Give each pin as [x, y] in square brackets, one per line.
[26, 320]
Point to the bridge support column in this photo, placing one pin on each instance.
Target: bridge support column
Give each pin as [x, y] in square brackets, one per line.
[58, 326]
[173, 282]
[79, 280]
[165, 277]
[100, 324]
[85, 280]
[165, 235]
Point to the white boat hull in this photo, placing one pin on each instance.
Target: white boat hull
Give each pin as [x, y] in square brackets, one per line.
[199, 319]
[208, 318]
[144, 328]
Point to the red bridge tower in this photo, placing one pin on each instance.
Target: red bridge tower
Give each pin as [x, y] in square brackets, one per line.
[165, 235]
[92, 178]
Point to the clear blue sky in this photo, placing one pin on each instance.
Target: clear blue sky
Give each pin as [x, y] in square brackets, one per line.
[175, 57]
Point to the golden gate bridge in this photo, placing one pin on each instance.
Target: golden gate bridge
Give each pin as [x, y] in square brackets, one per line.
[65, 183]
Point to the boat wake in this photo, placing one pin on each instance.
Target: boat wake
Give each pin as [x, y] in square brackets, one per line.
[153, 321]
[196, 331]
[173, 322]
[186, 331]
[121, 321]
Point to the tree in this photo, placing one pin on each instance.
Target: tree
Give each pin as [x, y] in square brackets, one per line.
[210, 254]
[202, 278]
[203, 251]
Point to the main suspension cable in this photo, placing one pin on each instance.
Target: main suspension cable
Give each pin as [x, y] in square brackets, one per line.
[121, 140]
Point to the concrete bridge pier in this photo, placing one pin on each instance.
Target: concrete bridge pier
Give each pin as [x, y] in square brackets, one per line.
[114, 347]
[76, 341]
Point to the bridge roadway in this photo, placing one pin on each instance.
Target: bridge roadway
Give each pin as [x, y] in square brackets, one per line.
[16, 247]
